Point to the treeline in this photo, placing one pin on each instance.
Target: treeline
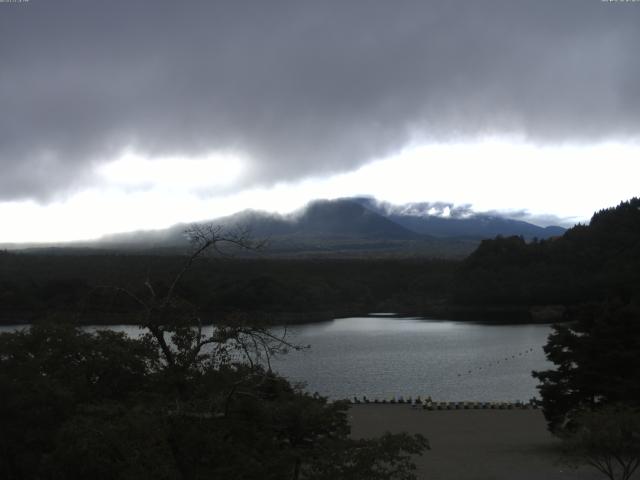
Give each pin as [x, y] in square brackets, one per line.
[33, 287]
[500, 281]
[589, 263]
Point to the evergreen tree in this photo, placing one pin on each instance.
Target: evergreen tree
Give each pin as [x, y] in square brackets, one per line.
[597, 359]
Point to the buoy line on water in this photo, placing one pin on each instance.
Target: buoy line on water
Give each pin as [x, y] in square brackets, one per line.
[428, 404]
[496, 362]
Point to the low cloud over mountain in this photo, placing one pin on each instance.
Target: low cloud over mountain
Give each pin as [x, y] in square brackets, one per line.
[358, 224]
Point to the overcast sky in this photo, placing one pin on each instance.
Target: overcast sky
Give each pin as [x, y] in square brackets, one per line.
[120, 115]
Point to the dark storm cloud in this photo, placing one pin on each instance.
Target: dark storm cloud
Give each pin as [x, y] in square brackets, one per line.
[303, 87]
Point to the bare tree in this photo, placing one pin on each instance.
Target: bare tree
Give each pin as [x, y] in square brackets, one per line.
[608, 439]
[174, 323]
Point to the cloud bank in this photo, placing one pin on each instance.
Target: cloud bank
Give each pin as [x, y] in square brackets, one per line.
[301, 88]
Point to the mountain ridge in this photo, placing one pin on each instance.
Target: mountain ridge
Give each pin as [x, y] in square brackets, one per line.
[364, 217]
[350, 226]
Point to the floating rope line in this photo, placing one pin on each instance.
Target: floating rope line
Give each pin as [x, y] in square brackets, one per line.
[428, 404]
[496, 362]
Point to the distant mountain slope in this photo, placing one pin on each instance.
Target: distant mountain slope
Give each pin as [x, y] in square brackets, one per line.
[325, 218]
[482, 226]
[348, 226]
[361, 218]
[325, 227]
[416, 218]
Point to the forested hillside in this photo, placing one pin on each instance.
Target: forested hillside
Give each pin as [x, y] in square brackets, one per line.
[33, 287]
[588, 263]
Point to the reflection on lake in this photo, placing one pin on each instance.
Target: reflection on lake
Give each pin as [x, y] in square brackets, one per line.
[382, 357]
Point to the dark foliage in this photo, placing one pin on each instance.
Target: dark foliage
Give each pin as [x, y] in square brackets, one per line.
[608, 439]
[33, 287]
[587, 264]
[103, 406]
[176, 403]
[597, 359]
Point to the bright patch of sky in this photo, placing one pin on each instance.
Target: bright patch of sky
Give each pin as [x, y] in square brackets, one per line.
[135, 193]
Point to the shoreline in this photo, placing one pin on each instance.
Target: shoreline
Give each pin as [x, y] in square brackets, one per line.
[491, 315]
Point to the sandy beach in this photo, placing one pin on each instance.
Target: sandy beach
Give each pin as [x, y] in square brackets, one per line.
[474, 444]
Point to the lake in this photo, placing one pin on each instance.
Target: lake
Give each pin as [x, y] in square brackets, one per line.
[383, 356]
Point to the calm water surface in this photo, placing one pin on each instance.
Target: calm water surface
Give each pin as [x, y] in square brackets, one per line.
[382, 357]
